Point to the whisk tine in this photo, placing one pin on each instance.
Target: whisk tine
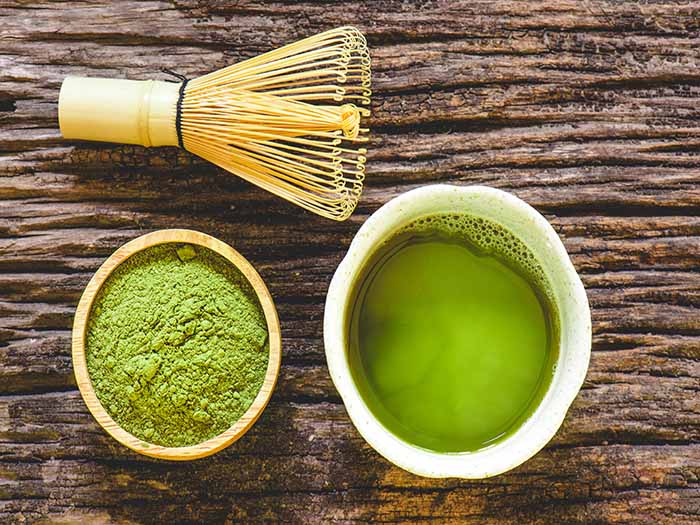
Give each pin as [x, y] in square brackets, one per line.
[288, 120]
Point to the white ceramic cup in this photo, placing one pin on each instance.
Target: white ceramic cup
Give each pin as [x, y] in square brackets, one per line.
[575, 328]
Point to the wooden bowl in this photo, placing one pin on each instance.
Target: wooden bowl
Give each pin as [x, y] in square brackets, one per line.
[241, 426]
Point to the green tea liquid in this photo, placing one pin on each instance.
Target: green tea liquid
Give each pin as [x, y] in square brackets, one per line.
[453, 336]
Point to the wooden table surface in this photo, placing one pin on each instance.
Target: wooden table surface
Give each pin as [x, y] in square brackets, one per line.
[588, 110]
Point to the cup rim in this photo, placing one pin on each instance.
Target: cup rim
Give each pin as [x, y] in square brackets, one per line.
[542, 425]
[80, 323]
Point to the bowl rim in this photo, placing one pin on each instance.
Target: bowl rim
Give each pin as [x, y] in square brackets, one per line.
[543, 424]
[246, 421]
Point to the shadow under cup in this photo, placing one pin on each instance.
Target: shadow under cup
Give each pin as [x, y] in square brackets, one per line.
[567, 355]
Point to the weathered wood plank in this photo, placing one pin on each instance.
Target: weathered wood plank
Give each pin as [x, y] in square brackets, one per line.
[72, 458]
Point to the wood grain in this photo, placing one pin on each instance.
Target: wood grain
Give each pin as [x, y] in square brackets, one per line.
[588, 110]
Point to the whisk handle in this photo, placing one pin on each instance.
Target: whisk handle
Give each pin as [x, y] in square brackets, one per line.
[114, 110]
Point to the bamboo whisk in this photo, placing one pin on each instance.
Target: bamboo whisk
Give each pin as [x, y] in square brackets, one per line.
[288, 121]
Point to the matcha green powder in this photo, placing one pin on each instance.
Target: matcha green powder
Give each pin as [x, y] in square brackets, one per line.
[176, 345]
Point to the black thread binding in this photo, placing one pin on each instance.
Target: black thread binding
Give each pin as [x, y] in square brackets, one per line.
[178, 108]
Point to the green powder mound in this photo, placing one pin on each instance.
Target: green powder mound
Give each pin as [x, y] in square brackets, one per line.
[176, 345]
